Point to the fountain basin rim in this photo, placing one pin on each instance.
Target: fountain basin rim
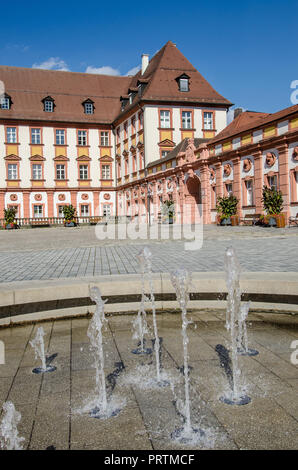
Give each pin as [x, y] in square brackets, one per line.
[41, 300]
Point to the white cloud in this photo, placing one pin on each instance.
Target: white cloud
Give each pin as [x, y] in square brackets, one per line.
[53, 63]
[20, 47]
[134, 70]
[105, 70]
[108, 70]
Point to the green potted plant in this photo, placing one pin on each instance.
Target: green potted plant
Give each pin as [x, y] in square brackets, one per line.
[9, 217]
[273, 204]
[69, 216]
[226, 207]
[168, 211]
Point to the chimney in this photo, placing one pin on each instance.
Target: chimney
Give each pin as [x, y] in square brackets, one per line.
[237, 111]
[145, 62]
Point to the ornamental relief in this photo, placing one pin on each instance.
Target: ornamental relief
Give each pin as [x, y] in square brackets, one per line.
[295, 154]
[227, 169]
[107, 196]
[169, 184]
[247, 165]
[212, 174]
[13, 197]
[85, 197]
[270, 159]
[38, 197]
[61, 197]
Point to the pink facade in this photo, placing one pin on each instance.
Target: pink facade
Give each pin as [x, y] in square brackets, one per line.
[265, 153]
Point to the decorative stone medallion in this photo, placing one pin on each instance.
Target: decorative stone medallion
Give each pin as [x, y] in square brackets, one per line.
[85, 197]
[247, 164]
[13, 197]
[61, 197]
[227, 169]
[38, 197]
[107, 196]
[295, 154]
[270, 159]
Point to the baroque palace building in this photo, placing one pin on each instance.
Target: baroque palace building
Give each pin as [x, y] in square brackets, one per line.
[113, 145]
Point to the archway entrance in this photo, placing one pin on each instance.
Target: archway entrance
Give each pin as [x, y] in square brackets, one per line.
[192, 200]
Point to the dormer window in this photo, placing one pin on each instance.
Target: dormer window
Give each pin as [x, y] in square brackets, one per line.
[184, 86]
[5, 102]
[124, 99]
[88, 106]
[183, 82]
[48, 104]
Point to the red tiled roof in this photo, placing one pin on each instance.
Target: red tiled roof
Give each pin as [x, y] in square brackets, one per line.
[249, 120]
[27, 87]
[163, 69]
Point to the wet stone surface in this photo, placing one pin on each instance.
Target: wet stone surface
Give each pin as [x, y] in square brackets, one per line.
[54, 406]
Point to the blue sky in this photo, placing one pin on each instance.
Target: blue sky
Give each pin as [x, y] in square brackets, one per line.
[247, 50]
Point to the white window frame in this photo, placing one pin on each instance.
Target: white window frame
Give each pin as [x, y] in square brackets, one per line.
[36, 135]
[60, 172]
[184, 84]
[249, 193]
[104, 138]
[88, 108]
[5, 103]
[11, 135]
[106, 210]
[165, 119]
[229, 191]
[272, 179]
[36, 171]
[48, 106]
[106, 172]
[208, 120]
[60, 137]
[38, 213]
[186, 119]
[12, 171]
[83, 172]
[83, 209]
[82, 138]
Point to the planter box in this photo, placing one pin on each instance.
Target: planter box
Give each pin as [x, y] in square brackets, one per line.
[70, 224]
[280, 220]
[226, 221]
[10, 226]
[235, 220]
[271, 221]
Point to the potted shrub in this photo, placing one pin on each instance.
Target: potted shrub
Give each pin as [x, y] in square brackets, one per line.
[9, 216]
[69, 216]
[168, 211]
[226, 207]
[273, 205]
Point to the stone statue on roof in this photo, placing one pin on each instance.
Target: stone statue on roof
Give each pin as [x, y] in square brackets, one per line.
[190, 151]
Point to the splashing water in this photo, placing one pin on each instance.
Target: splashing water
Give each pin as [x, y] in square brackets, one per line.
[233, 271]
[38, 345]
[146, 270]
[242, 339]
[181, 281]
[140, 326]
[9, 435]
[102, 407]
